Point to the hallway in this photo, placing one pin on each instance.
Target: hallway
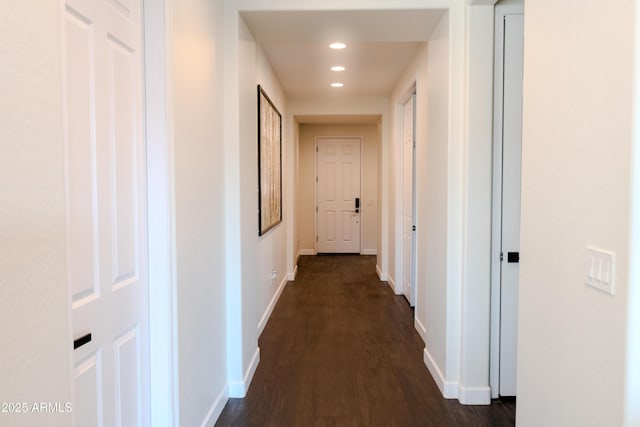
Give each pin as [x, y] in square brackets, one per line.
[340, 349]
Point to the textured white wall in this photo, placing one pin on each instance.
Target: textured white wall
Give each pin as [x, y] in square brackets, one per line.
[369, 184]
[197, 80]
[577, 145]
[35, 359]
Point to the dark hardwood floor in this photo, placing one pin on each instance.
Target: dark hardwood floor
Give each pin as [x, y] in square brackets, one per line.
[340, 349]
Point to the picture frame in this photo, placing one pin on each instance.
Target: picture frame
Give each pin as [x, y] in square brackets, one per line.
[269, 163]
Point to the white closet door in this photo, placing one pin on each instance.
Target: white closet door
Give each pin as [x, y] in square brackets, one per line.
[106, 211]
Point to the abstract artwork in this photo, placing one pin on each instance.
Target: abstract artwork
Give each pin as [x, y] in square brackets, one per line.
[269, 163]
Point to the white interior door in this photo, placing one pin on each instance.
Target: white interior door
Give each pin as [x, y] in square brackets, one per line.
[408, 225]
[338, 195]
[106, 211]
[511, 188]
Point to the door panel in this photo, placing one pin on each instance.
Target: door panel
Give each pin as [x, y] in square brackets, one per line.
[123, 144]
[87, 383]
[511, 187]
[347, 219]
[80, 149]
[127, 384]
[408, 146]
[105, 176]
[338, 186]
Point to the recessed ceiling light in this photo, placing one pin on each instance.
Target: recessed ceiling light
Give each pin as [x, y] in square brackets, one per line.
[337, 45]
[337, 84]
[337, 68]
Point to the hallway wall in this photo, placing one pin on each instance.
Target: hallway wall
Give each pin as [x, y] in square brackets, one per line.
[577, 145]
[431, 315]
[272, 247]
[35, 360]
[453, 187]
[369, 186]
[430, 72]
[251, 259]
[196, 75]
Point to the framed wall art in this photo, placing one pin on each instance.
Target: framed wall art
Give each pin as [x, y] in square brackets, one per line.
[269, 163]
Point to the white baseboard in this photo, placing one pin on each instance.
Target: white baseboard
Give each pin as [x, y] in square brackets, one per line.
[292, 276]
[217, 407]
[474, 395]
[239, 388]
[453, 390]
[448, 389]
[381, 275]
[422, 331]
[272, 304]
[392, 285]
[369, 252]
[306, 252]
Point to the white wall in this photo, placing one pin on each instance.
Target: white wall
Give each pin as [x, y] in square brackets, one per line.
[240, 100]
[476, 245]
[369, 186]
[252, 292]
[272, 246]
[198, 171]
[453, 77]
[577, 146]
[35, 360]
[432, 183]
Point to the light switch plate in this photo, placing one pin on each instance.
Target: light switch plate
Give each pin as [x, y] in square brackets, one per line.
[600, 269]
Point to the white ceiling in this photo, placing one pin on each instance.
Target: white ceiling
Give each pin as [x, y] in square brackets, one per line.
[380, 44]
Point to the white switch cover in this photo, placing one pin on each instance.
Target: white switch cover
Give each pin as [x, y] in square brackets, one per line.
[600, 271]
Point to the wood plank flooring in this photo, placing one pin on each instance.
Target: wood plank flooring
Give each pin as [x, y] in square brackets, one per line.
[340, 349]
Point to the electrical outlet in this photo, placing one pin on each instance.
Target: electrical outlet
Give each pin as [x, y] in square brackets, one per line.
[600, 269]
[274, 274]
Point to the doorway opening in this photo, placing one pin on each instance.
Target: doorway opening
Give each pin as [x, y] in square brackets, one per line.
[337, 180]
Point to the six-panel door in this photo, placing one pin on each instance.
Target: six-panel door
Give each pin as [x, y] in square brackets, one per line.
[338, 187]
[106, 210]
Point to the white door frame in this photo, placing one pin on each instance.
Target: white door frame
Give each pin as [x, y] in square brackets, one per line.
[496, 221]
[413, 297]
[163, 349]
[399, 184]
[315, 187]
